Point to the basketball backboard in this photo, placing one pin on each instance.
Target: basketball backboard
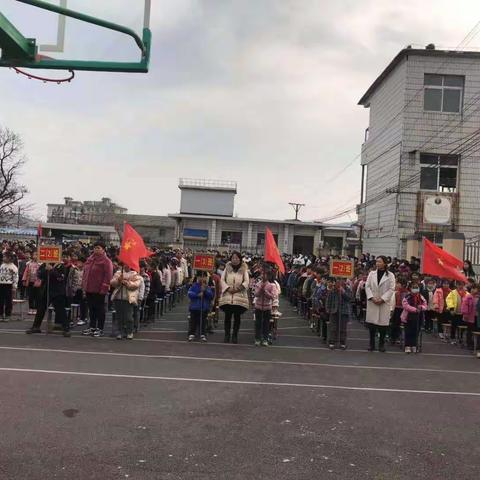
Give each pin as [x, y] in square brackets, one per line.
[75, 35]
[59, 45]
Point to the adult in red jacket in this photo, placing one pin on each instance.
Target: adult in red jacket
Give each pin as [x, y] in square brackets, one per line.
[97, 273]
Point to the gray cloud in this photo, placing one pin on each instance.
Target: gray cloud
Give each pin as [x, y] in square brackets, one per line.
[263, 93]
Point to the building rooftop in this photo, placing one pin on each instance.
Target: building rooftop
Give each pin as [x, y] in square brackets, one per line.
[79, 228]
[206, 184]
[430, 51]
[342, 226]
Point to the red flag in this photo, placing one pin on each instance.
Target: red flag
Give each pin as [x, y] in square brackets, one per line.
[272, 253]
[39, 230]
[133, 248]
[440, 263]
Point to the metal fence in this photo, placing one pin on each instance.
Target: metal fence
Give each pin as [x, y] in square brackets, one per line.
[472, 253]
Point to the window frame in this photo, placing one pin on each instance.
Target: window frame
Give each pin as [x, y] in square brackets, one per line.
[235, 233]
[442, 88]
[438, 166]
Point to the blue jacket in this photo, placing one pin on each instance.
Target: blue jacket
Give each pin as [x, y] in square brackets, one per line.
[196, 302]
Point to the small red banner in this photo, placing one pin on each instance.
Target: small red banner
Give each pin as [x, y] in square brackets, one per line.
[49, 254]
[341, 269]
[205, 263]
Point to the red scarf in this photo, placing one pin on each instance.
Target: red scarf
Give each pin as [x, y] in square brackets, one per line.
[417, 299]
[446, 291]
[462, 293]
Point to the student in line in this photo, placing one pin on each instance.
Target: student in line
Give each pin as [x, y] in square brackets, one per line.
[201, 296]
[414, 307]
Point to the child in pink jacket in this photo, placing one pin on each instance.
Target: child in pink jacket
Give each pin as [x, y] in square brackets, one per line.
[469, 312]
[414, 306]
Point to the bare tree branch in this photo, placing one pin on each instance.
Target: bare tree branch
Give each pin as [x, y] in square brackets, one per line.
[11, 162]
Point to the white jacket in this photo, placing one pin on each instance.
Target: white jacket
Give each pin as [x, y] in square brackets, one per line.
[238, 280]
[276, 300]
[380, 314]
[141, 290]
[167, 276]
[133, 280]
[9, 274]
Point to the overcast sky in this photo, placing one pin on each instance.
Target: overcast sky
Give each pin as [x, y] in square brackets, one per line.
[261, 92]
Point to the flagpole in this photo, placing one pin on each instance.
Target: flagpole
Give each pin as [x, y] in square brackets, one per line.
[201, 311]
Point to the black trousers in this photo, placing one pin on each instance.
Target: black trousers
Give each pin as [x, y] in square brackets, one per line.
[6, 300]
[443, 317]
[80, 300]
[395, 325]
[412, 329]
[470, 330]
[429, 316]
[198, 321]
[32, 293]
[456, 320]
[338, 329]
[234, 311]
[96, 309]
[150, 302]
[262, 324]
[59, 303]
[373, 329]
[324, 327]
[22, 289]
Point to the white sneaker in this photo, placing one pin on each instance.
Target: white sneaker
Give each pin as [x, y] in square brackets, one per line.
[81, 322]
[203, 338]
[441, 336]
[258, 343]
[408, 350]
[414, 349]
[191, 338]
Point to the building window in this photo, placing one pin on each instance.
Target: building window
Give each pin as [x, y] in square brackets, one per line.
[443, 93]
[438, 172]
[261, 239]
[231, 238]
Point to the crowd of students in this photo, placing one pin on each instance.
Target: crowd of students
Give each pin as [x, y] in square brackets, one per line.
[89, 280]
[387, 295]
[238, 284]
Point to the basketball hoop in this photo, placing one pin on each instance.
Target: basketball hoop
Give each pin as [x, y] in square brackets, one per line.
[21, 53]
[31, 76]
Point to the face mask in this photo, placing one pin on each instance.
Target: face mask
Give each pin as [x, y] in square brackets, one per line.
[431, 289]
[415, 290]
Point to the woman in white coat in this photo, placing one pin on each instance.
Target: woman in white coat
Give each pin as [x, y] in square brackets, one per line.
[380, 288]
[234, 300]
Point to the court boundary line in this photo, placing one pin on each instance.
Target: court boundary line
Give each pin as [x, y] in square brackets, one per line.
[239, 382]
[238, 360]
[244, 345]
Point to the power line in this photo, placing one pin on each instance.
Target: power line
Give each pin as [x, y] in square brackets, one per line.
[408, 181]
[465, 41]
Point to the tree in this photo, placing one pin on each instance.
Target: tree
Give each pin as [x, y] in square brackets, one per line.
[11, 162]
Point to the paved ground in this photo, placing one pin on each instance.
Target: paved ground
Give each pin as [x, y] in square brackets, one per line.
[160, 408]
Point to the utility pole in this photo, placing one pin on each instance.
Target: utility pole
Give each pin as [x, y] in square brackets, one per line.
[296, 207]
[18, 218]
